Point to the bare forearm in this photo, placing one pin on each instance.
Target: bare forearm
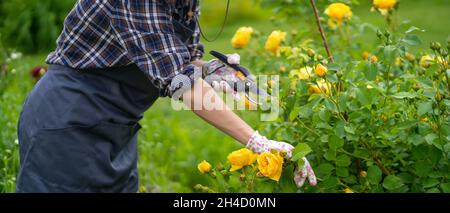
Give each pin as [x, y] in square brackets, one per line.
[204, 102]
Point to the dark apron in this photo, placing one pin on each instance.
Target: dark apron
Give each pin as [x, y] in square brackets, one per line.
[78, 130]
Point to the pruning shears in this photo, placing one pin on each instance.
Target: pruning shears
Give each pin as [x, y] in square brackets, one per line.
[247, 80]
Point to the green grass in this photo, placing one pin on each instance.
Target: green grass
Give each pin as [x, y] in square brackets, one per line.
[171, 143]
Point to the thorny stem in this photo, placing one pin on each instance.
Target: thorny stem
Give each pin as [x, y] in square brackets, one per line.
[353, 155]
[307, 128]
[322, 33]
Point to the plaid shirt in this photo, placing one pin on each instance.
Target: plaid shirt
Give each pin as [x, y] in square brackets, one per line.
[159, 37]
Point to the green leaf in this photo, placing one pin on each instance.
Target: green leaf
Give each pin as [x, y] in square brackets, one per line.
[433, 190]
[430, 138]
[374, 174]
[342, 171]
[294, 113]
[234, 182]
[370, 71]
[424, 108]
[415, 139]
[343, 160]
[420, 152]
[335, 142]
[330, 155]
[300, 151]
[430, 182]
[392, 182]
[305, 112]
[330, 105]
[350, 129]
[412, 29]
[445, 187]
[339, 129]
[390, 54]
[412, 40]
[422, 168]
[402, 95]
[325, 169]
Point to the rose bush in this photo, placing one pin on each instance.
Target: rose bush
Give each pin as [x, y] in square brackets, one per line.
[377, 119]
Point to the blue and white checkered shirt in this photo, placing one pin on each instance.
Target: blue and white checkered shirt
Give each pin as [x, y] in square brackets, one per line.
[160, 37]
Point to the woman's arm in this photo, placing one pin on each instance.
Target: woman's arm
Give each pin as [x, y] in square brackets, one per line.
[204, 102]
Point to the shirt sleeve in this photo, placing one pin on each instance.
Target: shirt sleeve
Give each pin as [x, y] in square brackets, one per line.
[196, 48]
[144, 28]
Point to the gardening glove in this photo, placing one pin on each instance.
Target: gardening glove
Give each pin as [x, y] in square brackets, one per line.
[306, 172]
[221, 77]
[259, 144]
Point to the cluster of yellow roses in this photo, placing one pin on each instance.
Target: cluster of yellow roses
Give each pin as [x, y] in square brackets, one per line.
[243, 35]
[340, 12]
[269, 164]
[306, 73]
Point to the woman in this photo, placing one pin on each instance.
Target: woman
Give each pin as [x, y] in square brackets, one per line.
[78, 128]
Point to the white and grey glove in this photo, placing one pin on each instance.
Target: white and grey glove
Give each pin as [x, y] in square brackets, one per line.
[259, 144]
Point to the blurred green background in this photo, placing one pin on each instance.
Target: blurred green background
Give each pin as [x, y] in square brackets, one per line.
[171, 142]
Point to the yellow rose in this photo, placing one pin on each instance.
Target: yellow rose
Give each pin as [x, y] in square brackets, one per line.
[425, 61]
[270, 165]
[373, 59]
[384, 4]
[204, 167]
[304, 73]
[321, 70]
[241, 158]
[274, 41]
[314, 89]
[242, 37]
[321, 87]
[365, 55]
[338, 12]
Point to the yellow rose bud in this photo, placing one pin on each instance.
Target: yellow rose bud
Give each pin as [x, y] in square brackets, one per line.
[241, 158]
[310, 52]
[271, 83]
[410, 57]
[274, 41]
[363, 174]
[321, 70]
[338, 12]
[373, 59]
[434, 125]
[348, 190]
[425, 61]
[424, 120]
[242, 37]
[270, 165]
[365, 55]
[242, 177]
[384, 4]
[384, 117]
[204, 167]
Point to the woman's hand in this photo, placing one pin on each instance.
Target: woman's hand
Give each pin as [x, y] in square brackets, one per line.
[259, 144]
